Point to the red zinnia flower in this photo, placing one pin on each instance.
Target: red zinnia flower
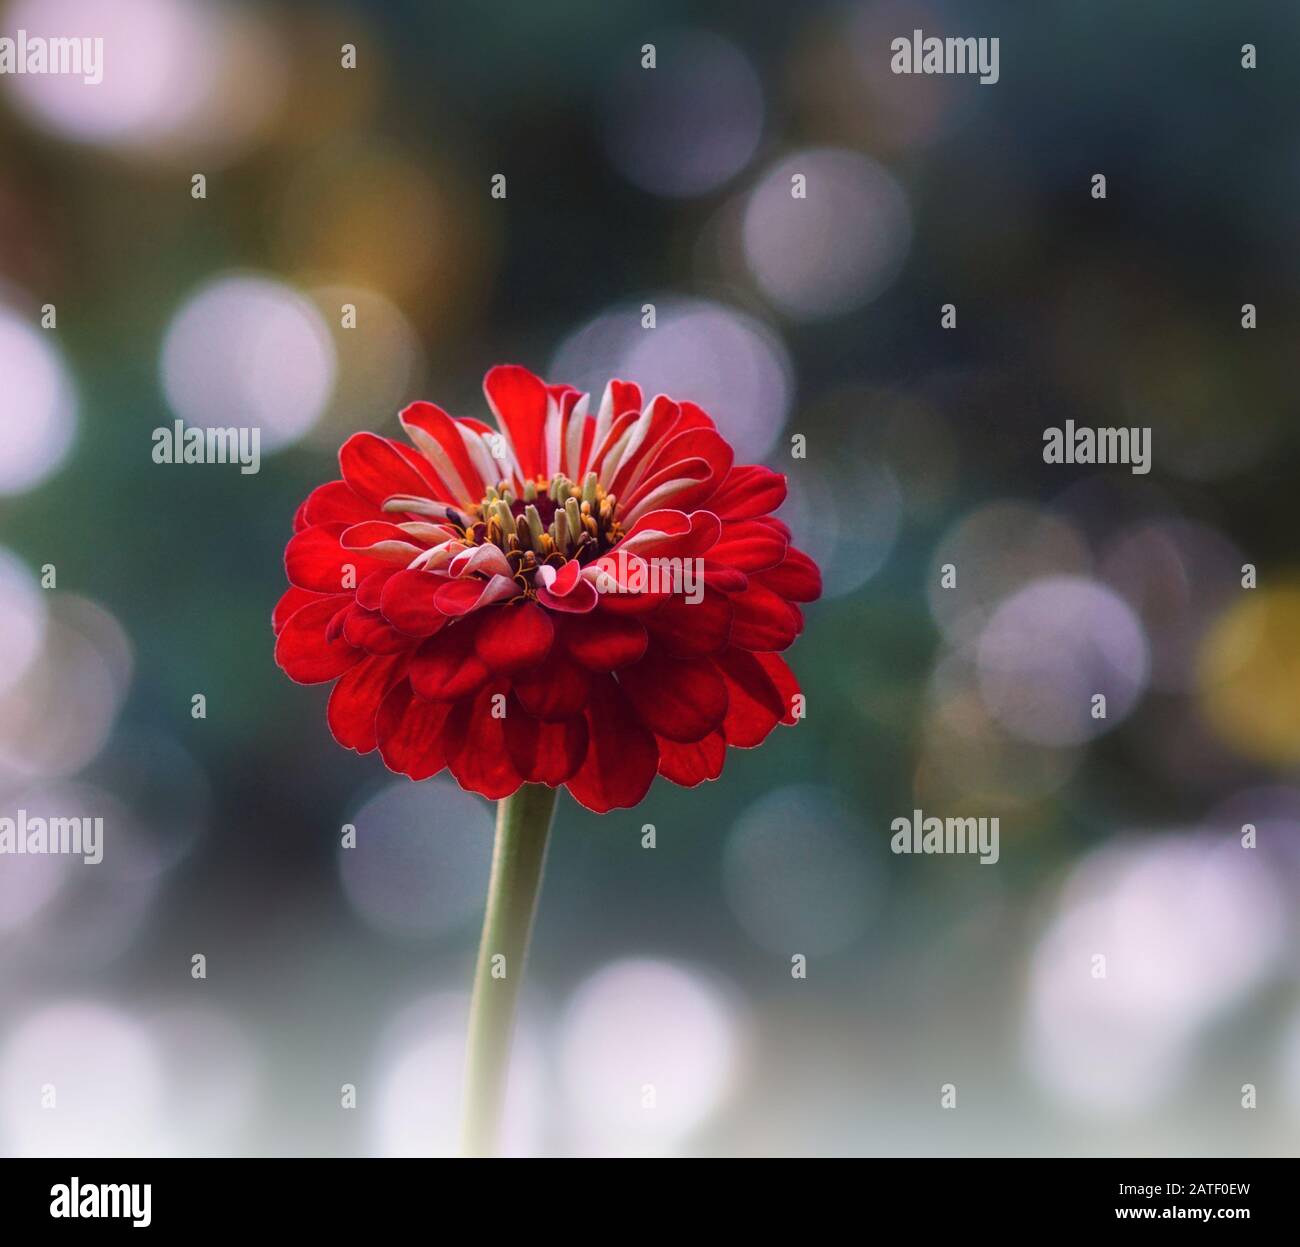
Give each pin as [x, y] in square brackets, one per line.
[488, 601]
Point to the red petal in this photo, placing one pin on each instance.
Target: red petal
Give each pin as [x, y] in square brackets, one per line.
[559, 690]
[407, 602]
[578, 601]
[314, 560]
[748, 491]
[293, 599]
[460, 597]
[612, 437]
[410, 732]
[669, 533]
[603, 641]
[783, 681]
[518, 400]
[544, 753]
[622, 756]
[678, 485]
[682, 699]
[749, 546]
[798, 579]
[624, 396]
[691, 629]
[625, 570]
[477, 752]
[303, 651]
[431, 427]
[697, 443]
[368, 630]
[629, 603]
[725, 579]
[754, 706]
[445, 667]
[376, 469]
[337, 503]
[566, 579]
[383, 541]
[512, 638]
[355, 699]
[693, 763]
[763, 621]
[369, 590]
[664, 415]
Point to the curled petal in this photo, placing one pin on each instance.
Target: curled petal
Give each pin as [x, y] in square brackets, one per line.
[672, 534]
[460, 597]
[582, 597]
[482, 560]
[382, 541]
[623, 582]
[560, 583]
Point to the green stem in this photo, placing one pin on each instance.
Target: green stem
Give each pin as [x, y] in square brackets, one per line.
[523, 825]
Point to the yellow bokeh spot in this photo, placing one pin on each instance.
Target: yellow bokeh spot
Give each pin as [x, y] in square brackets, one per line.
[1249, 675]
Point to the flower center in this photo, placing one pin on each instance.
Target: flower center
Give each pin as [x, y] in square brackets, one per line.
[553, 522]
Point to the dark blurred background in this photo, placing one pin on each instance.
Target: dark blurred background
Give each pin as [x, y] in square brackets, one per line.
[668, 968]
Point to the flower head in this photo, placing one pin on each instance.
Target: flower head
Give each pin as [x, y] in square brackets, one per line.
[577, 599]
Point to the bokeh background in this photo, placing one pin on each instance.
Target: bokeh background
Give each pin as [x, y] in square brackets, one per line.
[668, 967]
